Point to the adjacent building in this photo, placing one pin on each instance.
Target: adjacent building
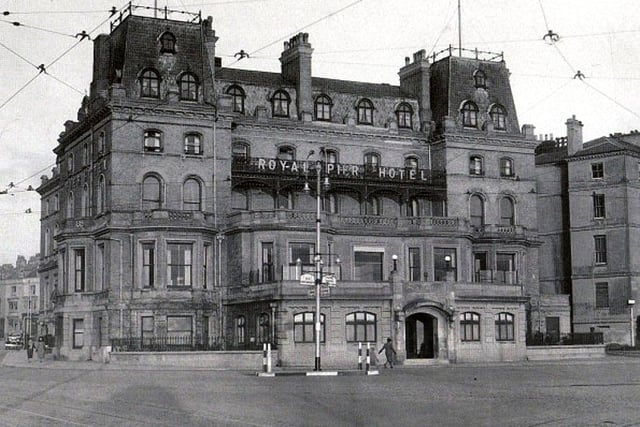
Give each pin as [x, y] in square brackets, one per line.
[187, 198]
[591, 193]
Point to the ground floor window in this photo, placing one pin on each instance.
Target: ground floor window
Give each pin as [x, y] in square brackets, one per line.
[240, 329]
[179, 329]
[361, 326]
[78, 333]
[504, 327]
[469, 326]
[147, 330]
[264, 330]
[304, 328]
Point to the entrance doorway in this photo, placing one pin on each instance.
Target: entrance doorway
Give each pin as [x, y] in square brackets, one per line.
[422, 336]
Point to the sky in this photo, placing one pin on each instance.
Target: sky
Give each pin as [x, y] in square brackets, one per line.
[591, 70]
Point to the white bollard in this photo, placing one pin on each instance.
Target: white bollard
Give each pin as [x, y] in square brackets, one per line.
[264, 357]
[368, 356]
[269, 357]
[359, 356]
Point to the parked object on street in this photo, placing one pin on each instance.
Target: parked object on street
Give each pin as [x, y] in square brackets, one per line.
[13, 341]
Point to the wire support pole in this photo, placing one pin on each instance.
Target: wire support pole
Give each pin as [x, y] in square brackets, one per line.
[318, 262]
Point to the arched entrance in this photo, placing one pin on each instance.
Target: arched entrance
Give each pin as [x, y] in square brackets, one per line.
[421, 336]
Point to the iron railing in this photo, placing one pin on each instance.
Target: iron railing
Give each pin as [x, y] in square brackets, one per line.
[587, 338]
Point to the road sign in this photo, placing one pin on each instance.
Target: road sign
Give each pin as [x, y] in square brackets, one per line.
[329, 280]
[307, 279]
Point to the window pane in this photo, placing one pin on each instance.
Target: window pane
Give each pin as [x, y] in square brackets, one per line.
[368, 266]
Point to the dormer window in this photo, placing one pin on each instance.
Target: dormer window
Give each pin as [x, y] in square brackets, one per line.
[365, 112]
[323, 106]
[480, 79]
[498, 117]
[237, 98]
[403, 115]
[167, 43]
[188, 87]
[280, 104]
[470, 115]
[150, 84]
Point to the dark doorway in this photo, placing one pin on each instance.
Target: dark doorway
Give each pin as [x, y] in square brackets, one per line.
[553, 330]
[422, 336]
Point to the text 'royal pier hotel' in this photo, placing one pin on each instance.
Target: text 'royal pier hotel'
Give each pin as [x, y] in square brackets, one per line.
[185, 204]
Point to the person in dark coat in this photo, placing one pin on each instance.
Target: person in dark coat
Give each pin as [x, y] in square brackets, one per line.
[30, 348]
[40, 349]
[389, 352]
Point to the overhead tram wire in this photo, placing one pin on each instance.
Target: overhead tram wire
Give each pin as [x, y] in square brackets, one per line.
[50, 64]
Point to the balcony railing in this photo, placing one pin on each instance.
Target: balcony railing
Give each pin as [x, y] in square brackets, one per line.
[308, 218]
[166, 343]
[496, 276]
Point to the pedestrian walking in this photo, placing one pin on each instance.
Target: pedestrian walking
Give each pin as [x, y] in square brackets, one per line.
[389, 352]
[30, 348]
[40, 349]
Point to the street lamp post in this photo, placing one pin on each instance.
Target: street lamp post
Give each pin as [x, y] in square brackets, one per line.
[631, 303]
[317, 258]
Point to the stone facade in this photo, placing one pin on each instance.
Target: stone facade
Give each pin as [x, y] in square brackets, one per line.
[430, 206]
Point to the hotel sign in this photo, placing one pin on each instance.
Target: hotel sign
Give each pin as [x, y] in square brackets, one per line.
[299, 167]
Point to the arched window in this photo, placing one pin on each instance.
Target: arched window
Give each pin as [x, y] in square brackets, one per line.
[264, 329]
[374, 206]
[506, 211]
[192, 195]
[101, 139]
[469, 115]
[240, 151]
[70, 206]
[70, 163]
[237, 98]
[85, 155]
[365, 112]
[47, 238]
[193, 144]
[330, 203]
[56, 203]
[476, 211]
[100, 198]
[286, 152]
[240, 199]
[404, 114]
[498, 117]
[480, 78]
[150, 84]
[241, 329]
[84, 202]
[151, 193]
[188, 87]
[506, 167]
[331, 156]
[152, 141]
[371, 162]
[411, 163]
[504, 327]
[280, 104]
[361, 327]
[413, 207]
[475, 165]
[469, 326]
[304, 327]
[286, 200]
[167, 43]
[322, 108]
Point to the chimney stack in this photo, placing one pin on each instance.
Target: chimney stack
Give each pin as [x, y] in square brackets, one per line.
[574, 135]
[296, 67]
[415, 79]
